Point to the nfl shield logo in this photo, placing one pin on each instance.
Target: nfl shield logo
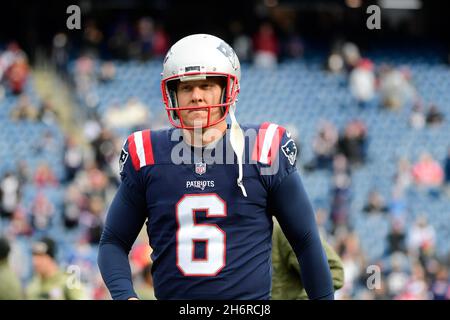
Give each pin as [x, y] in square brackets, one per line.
[200, 168]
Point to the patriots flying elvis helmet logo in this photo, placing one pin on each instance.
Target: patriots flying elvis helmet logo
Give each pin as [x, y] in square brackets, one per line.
[290, 151]
[123, 158]
[226, 50]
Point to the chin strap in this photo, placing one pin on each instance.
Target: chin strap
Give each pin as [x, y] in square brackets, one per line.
[237, 141]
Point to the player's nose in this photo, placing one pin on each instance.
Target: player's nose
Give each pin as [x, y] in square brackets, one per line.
[197, 95]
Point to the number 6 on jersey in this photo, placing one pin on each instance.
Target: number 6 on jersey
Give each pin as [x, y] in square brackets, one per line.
[188, 232]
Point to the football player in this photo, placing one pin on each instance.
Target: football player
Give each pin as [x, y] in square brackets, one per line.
[207, 190]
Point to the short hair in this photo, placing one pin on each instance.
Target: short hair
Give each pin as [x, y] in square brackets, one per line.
[44, 246]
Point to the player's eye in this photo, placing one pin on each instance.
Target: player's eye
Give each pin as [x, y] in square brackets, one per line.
[185, 88]
[206, 86]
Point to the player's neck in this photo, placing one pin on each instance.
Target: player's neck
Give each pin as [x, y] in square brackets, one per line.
[202, 137]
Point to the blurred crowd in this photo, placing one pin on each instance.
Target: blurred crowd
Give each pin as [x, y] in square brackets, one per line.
[145, 38]
[410, 267]
[68, 232]
[88, 184]
[14, 69]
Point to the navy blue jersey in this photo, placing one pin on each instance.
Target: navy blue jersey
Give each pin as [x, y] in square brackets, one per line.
[209, 241]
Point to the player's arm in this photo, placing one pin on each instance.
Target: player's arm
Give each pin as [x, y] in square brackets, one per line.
[276, 152]
[125, 218]
[295, 214]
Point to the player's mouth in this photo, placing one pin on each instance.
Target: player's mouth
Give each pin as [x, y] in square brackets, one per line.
[199, 110]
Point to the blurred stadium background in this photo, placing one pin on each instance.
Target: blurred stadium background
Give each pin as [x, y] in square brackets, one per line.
[370, 110]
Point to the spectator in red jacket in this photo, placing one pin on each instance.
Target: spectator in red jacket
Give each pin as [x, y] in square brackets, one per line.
[266, 46]
[428, 172]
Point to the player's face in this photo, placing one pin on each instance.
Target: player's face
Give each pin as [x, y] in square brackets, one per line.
[199, 93]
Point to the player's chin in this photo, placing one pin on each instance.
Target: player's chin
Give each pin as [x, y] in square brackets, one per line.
[197, 115]
[197, 123]
[197, 120]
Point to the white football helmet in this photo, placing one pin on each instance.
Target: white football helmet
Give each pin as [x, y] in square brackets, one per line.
[196, 57]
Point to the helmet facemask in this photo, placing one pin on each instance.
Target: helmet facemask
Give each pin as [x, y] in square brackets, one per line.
[198, 57]
[230, 90]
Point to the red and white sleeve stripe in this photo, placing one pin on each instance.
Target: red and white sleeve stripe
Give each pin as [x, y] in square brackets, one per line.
[267, 143]
[140, 148]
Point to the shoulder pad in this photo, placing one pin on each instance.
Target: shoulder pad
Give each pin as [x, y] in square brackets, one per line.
[267, 142]
[140, 148]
